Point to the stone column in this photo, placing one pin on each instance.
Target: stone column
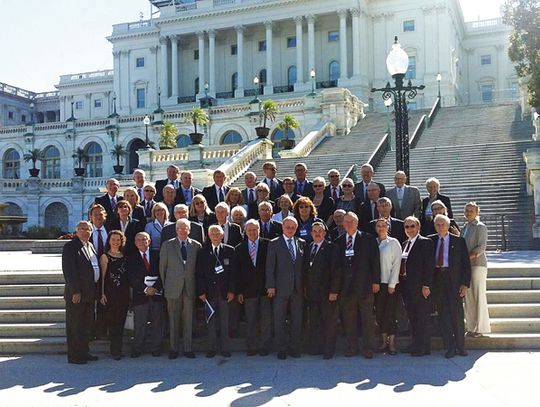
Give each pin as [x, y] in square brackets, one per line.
[502, 86]
[311, 42]
[164, 70]
[239, 91]
[117, 78]
[200, 35]
[174, 66]
[153, 85]
[269, 87]
[212, 62]
[125, 99]
[356, 42]
[88, 102]
[299, 51]
[343, 44]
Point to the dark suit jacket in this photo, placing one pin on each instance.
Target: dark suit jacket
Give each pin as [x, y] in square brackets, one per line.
[78, 272]
[160, 184]
[396, 229]
[196, 232]
[328, 191]
[149, 213]
[320, 278]
[250, 279]
[138, 213]
[235, 235]
[276, 189]
[106, 203]
[180, 194]
[365, 217]
[307, 191]
[207, 279]
[137, 273]
[360, 271]
[359, 190]
[420, 265]
[281, 273]
[132, 229]
[209, 219]
[253, 209]
[275, 229]
[211, 197]
[458, 261]
[246, 197]
[444, 199]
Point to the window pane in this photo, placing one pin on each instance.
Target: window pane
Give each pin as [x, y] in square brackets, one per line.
[334, 71]
[485, 60]
[291, 75]
[78, 104]
[234, 49]
[487, 93]
[411, 71]
[139, 62]
[234, 81]
[97, 103]
[262, 45]
[408, 25]
[291, 42]
[231, 137]
[333, 36]
[140, 98]
[183, 141]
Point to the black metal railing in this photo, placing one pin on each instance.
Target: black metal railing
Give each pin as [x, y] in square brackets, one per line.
[225, 95]
[418, 131]
[283, 89]
[251, 92]
[380, 151]
[433, 112]
[326, 84]
[352, 173]
[187, 99]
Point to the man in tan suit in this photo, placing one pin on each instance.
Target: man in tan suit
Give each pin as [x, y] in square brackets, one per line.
[177, 261]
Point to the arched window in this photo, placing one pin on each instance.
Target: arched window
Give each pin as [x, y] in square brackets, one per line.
[291, 75]
[196, 85]
[183, 141]
[333, 71]
[94, 164]
[51, 163]
[133, 157]
[12, 164]
[278, 134]
[231, 137]
[234, 81]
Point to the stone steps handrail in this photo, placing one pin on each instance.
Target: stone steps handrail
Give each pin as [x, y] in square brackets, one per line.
[310, 141]
[380, 151]
[245, 157]
[418, 131]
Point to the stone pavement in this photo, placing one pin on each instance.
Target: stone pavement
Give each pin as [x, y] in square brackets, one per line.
[483, 379]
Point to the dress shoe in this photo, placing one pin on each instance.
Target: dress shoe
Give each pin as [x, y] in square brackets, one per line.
[450, 353]
[294, 354]
[173, 355]
[282, 355]
[156, 353]
[117, 357]
[210, 354]
[420, 353]
[91, 358]
[251, 353]
[264, 352]
[226, 354]
[77, 362]
[392, 352]
[350, 353]
[382, 349]
[462, 352]
[189, 355]
[328, 356]
[367, 354]
[135, 354]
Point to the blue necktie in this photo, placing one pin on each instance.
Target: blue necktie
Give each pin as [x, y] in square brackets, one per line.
[291, 250]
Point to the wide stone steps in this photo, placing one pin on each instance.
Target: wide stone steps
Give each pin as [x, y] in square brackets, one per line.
[32, 315]
[33, 330]
[513, 296]
[510, 325]
[32, 277]
[530, 310]
[16, 290]
[34, 302]
[513, 283]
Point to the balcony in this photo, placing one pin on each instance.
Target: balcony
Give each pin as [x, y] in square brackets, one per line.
[87, 77]
[485, 26]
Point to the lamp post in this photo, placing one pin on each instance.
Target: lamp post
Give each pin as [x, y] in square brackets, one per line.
[439, 78]
[113, 114]
[146, 122]
[206, 86]
[159, 109]
[397, 64]
[256, 84]
[32, 107]
[312, 75]
[388, 102]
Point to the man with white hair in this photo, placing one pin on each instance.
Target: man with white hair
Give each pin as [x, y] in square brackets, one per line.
[361, 188]
[139, 178]
[186, 191]
[248, 193]
[333, 189]
[196, 231]
[405, 198]
[111, 198]
[232, 234]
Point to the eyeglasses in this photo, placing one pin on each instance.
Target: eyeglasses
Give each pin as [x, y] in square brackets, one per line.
[410, 226]
[436, 208]
[317, 186]
[347, 186]
[334, 176]
[198, 203]
[303, 206]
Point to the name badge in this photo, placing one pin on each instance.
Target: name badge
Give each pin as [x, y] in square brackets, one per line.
[218, 269]
[349, 253]
[303, 232]
[226, 262]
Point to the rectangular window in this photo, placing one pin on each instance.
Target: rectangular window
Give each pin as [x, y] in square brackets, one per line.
[196, 55]
[23, 118]
[487, 93]
[10, 115]
[485, 60]
[139, 62]
[412, 106]
[78, 104]
[262, 46]
[141, 98]
[333, 36]
[411, 71]
[515, 91]
[97, 103]
[234, 49]
[408, 26]
[291, 42]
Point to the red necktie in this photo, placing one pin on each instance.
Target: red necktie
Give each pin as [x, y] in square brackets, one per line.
[402, 269]
[440, 255]
[146, 263]
[334, 193]
[349, 243]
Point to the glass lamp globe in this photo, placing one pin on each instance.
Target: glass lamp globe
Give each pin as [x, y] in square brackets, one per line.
[388, 102]
[397, 61]
[146, 120]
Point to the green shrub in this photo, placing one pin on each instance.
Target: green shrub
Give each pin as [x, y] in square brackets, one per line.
[41, 232]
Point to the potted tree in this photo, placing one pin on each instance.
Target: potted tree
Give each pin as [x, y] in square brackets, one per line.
[118, 152]
[269, 109]
[81, 157]
[197, 117]
[168, 135]
[33, 155]
[288, 122]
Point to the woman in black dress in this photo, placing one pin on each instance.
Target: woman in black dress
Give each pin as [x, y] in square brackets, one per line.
[115, 289]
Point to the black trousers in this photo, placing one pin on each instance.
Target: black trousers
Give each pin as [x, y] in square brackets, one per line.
[149, 321]
[295, 302]
[258, 312]
[116, 319]
[451, 314]
[418, 310]
[322, 326]
[352, 305]
[386, 310]
[79, 318]
[219, 321]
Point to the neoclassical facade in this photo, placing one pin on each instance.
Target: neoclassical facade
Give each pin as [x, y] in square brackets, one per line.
[217, 48]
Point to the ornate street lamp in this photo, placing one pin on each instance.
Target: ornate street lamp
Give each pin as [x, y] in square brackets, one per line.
[397, 64]
[256, 84]
[439, 78]
[146, 122]
[312, 75]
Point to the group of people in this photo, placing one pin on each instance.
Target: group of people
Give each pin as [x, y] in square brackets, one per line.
[294, 257]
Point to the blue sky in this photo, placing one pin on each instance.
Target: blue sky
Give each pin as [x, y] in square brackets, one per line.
[42, 40]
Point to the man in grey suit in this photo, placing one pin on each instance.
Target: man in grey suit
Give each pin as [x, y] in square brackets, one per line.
[177, 261]
[181, 212]
[405, 199]
[284, 285]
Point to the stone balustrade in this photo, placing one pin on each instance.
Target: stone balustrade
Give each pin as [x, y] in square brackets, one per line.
[310, 141]
[536, 124]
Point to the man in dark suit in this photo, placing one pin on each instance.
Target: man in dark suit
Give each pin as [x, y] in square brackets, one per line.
[284, 285]
[302, 186]
[337, 224]
[360, 188]
[81, 273]
[415, 283]
[357, 260]
[270, 229]
[216, 192]
[289, 186]
[273, 183]
[232, 232]
[395, 226]
[215, 284]
[172, 179]
[148, 202]
[452, 279]
[321, 287]
[148, 304]
[250, 276]
[110, 199]
[125, 223]
[170, 200]
[369, 211]
[186, 191]
[432, 186]
[333, 189]
[248, 193]
[139, 178]
[196, 231]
